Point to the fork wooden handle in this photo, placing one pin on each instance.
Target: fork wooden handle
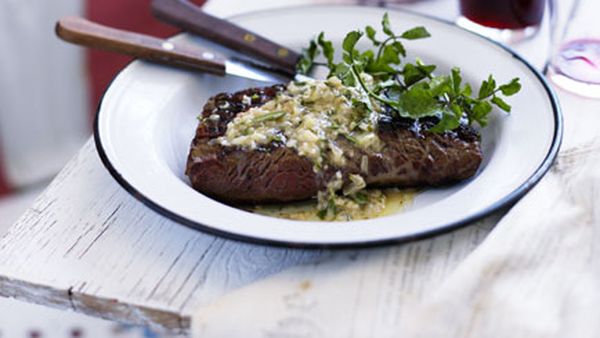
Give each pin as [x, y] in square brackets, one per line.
[86, 33]
[187, 16]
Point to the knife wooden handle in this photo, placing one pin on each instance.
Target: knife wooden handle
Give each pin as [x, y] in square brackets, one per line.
[86, 33]
[187, 16]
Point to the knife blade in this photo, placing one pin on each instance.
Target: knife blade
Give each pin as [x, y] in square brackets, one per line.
[257, 72]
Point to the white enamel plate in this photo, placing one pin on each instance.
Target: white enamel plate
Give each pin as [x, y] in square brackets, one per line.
[148, 118]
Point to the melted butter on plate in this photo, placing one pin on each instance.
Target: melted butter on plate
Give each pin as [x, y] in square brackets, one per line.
[381, 202]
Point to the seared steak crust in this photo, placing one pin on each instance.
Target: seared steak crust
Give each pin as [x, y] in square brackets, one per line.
[412, 157]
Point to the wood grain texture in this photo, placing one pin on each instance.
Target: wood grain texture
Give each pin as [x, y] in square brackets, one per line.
[83, 32]
[92, 247]
[358, 293]
[87, 245]
[184, 14]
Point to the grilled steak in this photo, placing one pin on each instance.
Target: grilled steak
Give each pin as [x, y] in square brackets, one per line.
[412, 156]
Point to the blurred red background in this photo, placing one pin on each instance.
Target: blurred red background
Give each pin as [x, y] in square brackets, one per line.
[117, 13]
[4, 189]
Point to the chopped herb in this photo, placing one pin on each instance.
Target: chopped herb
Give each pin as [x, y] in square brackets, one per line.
[268, 116]
[360, 198]
[350, 138]
[322, 213]
[330, 210]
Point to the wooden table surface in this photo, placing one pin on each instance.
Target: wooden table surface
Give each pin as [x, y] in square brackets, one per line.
[87, 245]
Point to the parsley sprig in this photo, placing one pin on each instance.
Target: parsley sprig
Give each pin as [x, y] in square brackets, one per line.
[411, 90]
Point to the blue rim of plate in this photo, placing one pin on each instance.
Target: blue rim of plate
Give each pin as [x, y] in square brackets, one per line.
[504, 202]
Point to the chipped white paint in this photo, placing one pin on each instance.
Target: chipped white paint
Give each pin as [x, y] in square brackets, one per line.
[106, 254]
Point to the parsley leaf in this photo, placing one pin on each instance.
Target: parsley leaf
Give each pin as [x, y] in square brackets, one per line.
[371, 35]
[450, 120]
[414, 73]
[456, 80]
[399, 48]
[417, 101]
[487, 87]
[410, 90]
[307, 58]
[501, 104]
[511, 88]
[350, 41]
[480, 112]
[385, 23]
[328, 50]
[415, 33]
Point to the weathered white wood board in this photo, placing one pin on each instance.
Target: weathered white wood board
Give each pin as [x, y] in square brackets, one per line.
[88, 245]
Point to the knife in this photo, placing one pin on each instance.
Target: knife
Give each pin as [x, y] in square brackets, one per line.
[83, 32]
[191, 18]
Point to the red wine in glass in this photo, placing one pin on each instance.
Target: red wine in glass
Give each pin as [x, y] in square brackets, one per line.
[506, 20]
[504, 14]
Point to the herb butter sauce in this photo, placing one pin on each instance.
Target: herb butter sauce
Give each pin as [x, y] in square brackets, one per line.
[381, 202]
[311, 117]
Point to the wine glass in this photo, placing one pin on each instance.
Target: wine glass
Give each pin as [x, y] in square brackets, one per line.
[507, 21]
[575, 65]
